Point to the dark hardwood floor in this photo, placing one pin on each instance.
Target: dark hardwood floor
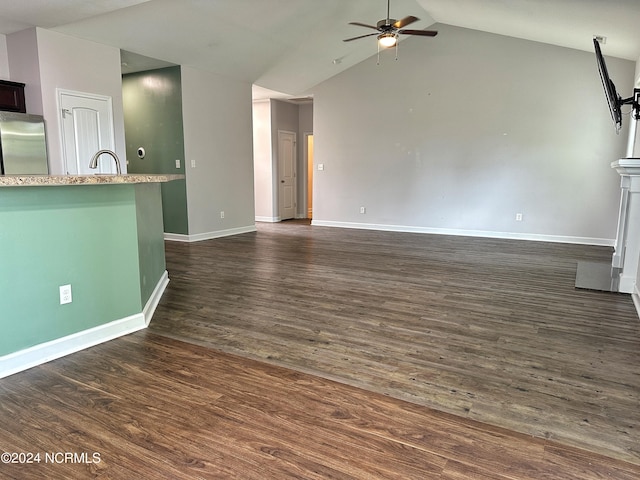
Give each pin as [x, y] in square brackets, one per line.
[147, 406]
[486, 329]
[314, 353]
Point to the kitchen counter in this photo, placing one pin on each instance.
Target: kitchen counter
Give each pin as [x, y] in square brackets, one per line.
[65, 180]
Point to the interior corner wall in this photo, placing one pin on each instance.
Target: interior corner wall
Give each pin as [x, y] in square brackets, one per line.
[636, 139]
[218, 133]
[305, 126]
[24, 67]
[263, 162]
[152, 102]
[5, 73]
[466, 130]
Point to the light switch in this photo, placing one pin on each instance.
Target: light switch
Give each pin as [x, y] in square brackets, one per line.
[193, 164]
[177, 163]
[321, 166]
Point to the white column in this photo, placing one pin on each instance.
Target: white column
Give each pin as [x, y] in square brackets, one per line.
[627, 250]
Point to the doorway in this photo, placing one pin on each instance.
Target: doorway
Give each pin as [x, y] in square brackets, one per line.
[287, 191]
[87, 126]
[278, 159]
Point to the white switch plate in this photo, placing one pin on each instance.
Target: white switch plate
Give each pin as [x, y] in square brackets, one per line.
[193, 164]
[177, 163]
[363, 210]
[222, 214]
[65, 294]
[518, 217]
[321, 166]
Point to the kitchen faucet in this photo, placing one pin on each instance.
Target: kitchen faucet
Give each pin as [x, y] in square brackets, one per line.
[94, 160]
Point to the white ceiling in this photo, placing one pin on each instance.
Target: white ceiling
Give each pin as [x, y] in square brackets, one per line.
[290, 45]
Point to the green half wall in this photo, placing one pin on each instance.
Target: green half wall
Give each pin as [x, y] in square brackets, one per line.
[106, 241]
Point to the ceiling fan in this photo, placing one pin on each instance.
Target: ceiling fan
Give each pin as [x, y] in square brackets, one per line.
[387, 30]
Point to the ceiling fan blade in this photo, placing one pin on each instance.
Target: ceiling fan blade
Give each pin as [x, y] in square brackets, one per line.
[424, 33]
[361, 36]
[363, 25]
[405, 21]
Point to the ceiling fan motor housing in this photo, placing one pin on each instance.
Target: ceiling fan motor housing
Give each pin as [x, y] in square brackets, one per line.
[386, 24]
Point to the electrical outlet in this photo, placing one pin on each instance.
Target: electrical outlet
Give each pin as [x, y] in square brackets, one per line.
[65, 294]
[222, 214]
[177, 163]
[518, 217]
[193, 164]
[363, 210]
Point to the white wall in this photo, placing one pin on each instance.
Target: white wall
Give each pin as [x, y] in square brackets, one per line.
[47, 61]
[464, 131]
[262, 162]
[305, 126]
[636, 145]
[4, 59]
[24, 67]
[218, 136]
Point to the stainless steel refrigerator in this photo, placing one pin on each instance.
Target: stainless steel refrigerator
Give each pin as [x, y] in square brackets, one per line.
[23, 146]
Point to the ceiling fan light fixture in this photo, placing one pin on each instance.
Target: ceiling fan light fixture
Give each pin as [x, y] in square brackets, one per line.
[388, 39]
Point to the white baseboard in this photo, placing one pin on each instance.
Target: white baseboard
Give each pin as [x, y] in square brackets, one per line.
[635, 296]
[298, 216]
[176, 237]
[45, 352]
[198, 237]
[156, 295]
[606, 242]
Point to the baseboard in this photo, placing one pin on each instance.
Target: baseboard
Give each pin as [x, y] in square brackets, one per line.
[156, 295]
[606, 242]
[45, 352]
[635, 296]
[298, 216]
[176, 237]
[627, 284]
[198, 237]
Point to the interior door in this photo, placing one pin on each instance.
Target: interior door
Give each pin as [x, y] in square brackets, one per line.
[287, 174]
[310, 175]
[87, 126]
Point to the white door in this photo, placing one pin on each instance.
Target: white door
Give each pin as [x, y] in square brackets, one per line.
[87, 126]
[287, 174]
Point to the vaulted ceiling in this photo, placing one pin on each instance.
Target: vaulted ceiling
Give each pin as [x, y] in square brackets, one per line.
[291, 45]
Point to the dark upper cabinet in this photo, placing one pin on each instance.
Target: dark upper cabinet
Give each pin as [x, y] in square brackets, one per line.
[12, 96]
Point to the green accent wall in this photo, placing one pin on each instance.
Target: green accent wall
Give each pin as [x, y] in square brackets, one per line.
[104, 240]
[152, 102]
[150, 237]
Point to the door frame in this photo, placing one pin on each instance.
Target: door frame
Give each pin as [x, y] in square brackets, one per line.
[308, 175]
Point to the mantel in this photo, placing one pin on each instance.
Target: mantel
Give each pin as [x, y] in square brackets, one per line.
[65, 180]
[627, 249]
[627, 166]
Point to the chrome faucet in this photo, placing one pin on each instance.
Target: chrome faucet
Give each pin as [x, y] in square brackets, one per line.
[94, 160]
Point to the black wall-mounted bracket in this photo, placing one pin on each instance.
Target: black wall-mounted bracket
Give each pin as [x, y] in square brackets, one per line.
[634, 102]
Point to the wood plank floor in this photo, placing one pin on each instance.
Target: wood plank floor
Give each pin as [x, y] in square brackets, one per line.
[153, 407]
[485, 329]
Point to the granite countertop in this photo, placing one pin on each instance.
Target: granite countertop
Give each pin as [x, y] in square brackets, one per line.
[62, 180]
